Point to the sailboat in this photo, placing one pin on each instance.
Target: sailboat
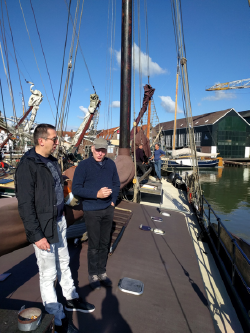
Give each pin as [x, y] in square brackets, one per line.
[180, 158]
[160, 267]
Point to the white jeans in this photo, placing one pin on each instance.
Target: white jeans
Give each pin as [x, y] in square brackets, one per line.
[52, 264]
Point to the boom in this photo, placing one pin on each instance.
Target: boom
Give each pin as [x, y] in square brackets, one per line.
[239, 84]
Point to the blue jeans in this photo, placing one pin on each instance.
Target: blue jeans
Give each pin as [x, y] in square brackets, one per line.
[158, 168]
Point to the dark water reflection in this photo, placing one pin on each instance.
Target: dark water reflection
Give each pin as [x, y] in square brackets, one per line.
[228, 192]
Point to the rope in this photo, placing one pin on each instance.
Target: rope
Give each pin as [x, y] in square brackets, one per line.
[42, 51]
[69, 69]
[35, 58]
[81, 49]
[111, 65]
[106, 74]
[9, 84]
[14, 49]
[3, 106]
[74, 61]
[64, 52]
[73, 72]
[139, 44]
[9, 52]
[146, 28]
[7, 60]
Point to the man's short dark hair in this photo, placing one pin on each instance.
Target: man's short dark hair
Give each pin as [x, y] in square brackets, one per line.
[41, 132]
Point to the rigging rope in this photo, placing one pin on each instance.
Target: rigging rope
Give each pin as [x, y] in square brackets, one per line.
[9, 52]
[81, 50]
[72, 77]
[14, 50]
[74, 62]
[139, 45]
[111, 65]
[42, 50]
[36, 59]
[106, 74]
[178, 25]
[9, 85]
[7, 60]
[146, 29]
[69, 70]
[64, 52]
[3, 106]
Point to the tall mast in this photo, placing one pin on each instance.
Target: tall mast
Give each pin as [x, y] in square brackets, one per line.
[176, 95]
[126, 60]
[124, 163]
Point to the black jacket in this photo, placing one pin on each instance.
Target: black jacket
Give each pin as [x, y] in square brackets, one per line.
[35, 191]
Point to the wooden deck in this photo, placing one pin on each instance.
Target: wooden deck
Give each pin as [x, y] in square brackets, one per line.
[174, 299]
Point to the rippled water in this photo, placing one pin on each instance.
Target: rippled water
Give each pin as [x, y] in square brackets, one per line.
[228, 192]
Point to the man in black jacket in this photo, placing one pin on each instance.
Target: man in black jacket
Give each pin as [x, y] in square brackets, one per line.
[41, 206]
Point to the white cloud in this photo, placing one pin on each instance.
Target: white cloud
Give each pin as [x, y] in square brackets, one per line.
[115, 104]
[82, 108]
[169, 105]
[220, 94]
[154, 68]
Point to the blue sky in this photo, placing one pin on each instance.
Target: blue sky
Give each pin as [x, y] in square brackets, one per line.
[217, 48]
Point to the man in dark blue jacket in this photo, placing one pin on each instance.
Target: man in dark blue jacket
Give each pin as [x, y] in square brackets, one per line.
[96, 181]
[40, 197]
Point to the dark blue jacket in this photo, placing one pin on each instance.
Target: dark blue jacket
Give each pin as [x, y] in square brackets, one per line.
[90, 177]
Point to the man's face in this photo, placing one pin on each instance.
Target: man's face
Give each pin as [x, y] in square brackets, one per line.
[156, 147]
[98, 154]
[140, 146]
[49, 144]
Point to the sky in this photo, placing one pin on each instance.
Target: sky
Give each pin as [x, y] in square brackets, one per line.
[217, 46]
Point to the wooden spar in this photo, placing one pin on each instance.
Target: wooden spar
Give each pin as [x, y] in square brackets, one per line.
[175, 112]
[86, 127]
[149, 116]
[18, 124]
[126, 59]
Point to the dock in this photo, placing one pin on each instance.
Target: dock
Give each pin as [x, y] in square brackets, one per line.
[236, 164]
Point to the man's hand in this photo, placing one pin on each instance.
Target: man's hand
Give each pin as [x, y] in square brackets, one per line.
[104, 192]
[112, 204]
[43, 244]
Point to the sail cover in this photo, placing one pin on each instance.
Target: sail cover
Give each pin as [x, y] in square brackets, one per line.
[187, 152]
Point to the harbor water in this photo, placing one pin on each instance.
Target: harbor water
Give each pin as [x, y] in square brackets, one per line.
[228, 192]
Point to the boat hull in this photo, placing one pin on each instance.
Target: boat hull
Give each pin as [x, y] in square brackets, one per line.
[187, 163]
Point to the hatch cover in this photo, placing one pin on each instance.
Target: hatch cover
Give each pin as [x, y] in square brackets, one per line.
[131, 286]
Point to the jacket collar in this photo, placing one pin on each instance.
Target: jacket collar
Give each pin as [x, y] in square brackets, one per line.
[95, 162]
[31, 154]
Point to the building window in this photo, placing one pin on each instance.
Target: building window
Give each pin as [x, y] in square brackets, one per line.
[181, 142]
[168, 140]
[197, 137]
[110, 149]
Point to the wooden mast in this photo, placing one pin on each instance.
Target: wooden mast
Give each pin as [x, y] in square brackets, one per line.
[124, 163]
[125, 93]
[175, 112]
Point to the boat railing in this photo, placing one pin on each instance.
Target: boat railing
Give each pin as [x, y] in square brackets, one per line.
[234, 261]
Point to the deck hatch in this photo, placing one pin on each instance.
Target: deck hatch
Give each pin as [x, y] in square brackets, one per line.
[131, 286]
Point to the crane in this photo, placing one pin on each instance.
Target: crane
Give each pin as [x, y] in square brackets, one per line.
[239, 84]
